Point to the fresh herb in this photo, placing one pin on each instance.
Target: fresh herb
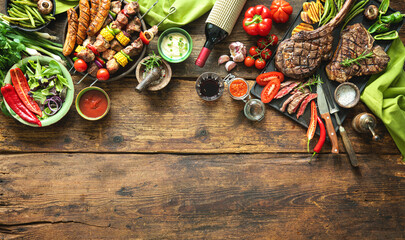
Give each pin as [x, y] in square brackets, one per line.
[153, 61]
[348, 62]
[314, 80]
[170, 38]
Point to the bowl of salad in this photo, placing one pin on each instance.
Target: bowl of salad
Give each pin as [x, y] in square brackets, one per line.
[38, 91]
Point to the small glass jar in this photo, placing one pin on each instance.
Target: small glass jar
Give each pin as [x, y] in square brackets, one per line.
[240, 85]
[209, 86]
[254, 110]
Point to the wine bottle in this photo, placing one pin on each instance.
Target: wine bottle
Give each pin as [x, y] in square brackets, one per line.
[219, 25]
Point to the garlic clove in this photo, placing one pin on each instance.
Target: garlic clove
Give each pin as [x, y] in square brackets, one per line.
[230, 65]
[223, 59]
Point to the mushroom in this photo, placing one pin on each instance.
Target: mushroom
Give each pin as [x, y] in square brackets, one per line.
[371, 12]
[44, 6]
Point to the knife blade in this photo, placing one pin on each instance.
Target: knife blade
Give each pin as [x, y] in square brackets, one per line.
[324, 111]
[346, 141]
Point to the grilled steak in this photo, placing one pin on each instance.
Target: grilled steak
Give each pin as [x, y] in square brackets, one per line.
[356, 40]
[295, 103]
[301, 55]
[286, 90]
[304, 104]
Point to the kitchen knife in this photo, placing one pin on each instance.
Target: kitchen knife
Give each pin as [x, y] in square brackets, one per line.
[346, 141]
[324, 111]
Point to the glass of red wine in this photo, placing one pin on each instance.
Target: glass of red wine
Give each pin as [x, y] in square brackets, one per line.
[209, 86]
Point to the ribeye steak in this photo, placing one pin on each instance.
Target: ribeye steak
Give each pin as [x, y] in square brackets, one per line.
[355, 40]
[301, 55]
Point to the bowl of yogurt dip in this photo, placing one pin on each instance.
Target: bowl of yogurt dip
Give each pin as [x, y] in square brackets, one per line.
[175, 45]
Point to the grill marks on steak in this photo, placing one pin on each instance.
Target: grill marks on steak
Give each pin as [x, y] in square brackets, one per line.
[301, 55]
[356, 40]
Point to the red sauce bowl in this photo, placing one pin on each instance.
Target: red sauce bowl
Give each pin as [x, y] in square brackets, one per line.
[92, 103]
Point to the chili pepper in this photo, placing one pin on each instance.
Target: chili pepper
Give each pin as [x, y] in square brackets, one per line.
[321, 141]
[379, 28]
[144, 38]
[15, 103]
[113, 14]
[387, 36]
[383, 8]
[312, 123]
[22, 88]
[257, 21]
[394, 18]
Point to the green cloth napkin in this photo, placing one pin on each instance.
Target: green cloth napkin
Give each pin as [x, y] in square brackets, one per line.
[385, 95]
[186, 11]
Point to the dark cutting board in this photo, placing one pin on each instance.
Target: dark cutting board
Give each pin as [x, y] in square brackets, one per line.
[361, 82]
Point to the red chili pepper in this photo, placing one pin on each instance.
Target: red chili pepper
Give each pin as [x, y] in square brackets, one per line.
[93, 49]
[144, 39]
[312, 123]
[15, 103]
[257, 21]
[321, 141]
[22, 88]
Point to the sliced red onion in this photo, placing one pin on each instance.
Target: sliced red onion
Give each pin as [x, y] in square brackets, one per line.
[126, 34]
[110, 17]
[99, 65]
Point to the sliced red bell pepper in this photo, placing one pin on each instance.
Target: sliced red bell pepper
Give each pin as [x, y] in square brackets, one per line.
[22, 88]
[144, 37]
[257, 21]
[15, 103]
[93, 49]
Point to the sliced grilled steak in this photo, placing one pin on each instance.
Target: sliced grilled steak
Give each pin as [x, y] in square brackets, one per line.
[354, 41]
[286, 90]
[285, 84]
[301, 55]
[304, 104]
[291, 98]
[295, 103]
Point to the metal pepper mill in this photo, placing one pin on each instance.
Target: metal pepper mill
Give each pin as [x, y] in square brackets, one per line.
[365, 122]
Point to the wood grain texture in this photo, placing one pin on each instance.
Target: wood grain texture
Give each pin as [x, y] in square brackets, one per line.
[171, 121]
[159, 196]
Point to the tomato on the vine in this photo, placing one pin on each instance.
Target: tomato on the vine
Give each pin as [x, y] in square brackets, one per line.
[273, 39]
[262, 42]
[266, 54]
[260, 63]
[253, 51]
[249, 61]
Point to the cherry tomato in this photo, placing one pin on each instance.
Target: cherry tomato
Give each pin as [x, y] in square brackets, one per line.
[270, 90]
[266, 54]
[103, 74]
[265, 78]
[262, 42]
[253, 51]
[260, 63]
[80, 65]
[249, 61]
[273, 39]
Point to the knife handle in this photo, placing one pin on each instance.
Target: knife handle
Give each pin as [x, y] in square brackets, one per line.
[331, 132]
[348, 146]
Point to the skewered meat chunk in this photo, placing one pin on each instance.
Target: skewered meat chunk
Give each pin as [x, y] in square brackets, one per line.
[116, 6]
[101, 44]
[92, 70]
[106, 22]
[132, 8]
[116, 46]
[134, 49]
[112, 66]
[133, 26]
[87, 55]
[108, 54]
[89, 40]
[154, 29]
[117, 25]
[122, 19]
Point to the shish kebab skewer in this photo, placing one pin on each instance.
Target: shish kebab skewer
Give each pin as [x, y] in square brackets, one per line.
[149, 34]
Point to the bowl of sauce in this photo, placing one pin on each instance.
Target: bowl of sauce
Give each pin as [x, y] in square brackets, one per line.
[92, 103]
[238, 88]
[175, 45]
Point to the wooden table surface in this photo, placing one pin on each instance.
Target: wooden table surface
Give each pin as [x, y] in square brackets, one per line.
[167, 165]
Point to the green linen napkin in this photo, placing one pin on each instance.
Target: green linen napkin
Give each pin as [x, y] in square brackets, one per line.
[186, 10]
[385, 95]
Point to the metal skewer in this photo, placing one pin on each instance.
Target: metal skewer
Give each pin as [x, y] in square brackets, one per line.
[148, 10]
[82, 78]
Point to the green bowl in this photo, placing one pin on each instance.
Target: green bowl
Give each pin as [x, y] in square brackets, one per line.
[175, 30]
[81, 94]
[69, 94]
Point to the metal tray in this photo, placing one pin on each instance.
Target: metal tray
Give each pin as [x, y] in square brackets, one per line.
[361, 82]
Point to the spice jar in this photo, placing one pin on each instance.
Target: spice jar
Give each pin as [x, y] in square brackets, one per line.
[347, 95]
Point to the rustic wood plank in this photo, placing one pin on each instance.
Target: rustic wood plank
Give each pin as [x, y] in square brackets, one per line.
[254, 196]
[173, 120]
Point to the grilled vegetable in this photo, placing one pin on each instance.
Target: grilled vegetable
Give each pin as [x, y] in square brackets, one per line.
[302, 27]
[84, 21]
[371, 12]
[100, 17]
[45, 6]
[71, 32]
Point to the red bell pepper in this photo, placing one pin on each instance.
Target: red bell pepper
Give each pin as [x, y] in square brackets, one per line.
[93, 49]
[280, 11]
[21, 86]
[15, 103]
[257, 21]
[146, 37]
